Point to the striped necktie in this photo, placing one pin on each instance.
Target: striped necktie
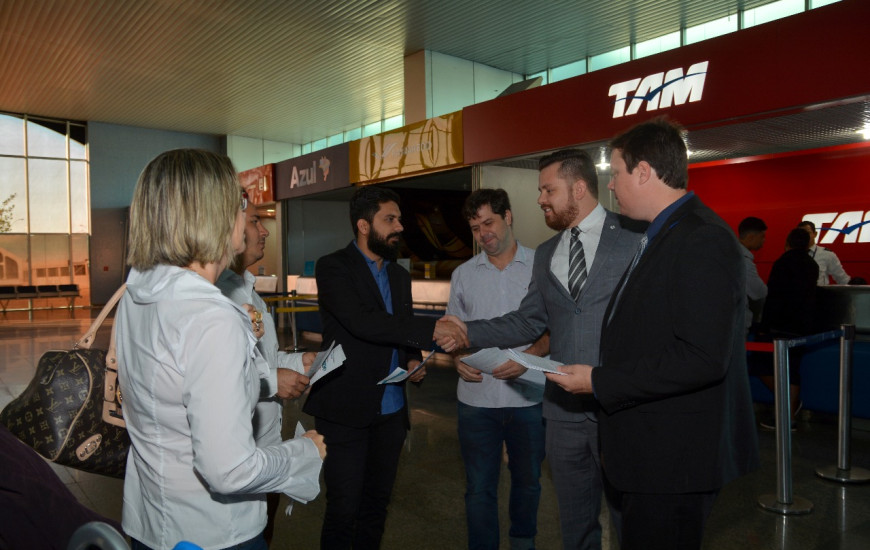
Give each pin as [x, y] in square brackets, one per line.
[576, 264]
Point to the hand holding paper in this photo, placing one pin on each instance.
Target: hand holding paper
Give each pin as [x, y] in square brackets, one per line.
[401, 374]
[325, 362]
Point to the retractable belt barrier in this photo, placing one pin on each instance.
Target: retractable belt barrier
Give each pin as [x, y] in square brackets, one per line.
[785, 502]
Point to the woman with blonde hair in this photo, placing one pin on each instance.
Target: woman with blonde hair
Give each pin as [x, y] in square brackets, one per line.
[187, 370]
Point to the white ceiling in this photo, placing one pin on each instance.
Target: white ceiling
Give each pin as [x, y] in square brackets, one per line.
[289, 70]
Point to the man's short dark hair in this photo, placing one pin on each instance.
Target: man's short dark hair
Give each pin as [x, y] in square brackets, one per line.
[807, 223]
[576, 165]
[798, 239]
[367, 200]
[751, 225]
[658, 142]
[497, 199]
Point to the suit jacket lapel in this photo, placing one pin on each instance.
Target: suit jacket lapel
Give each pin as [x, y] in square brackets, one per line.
[548, 258]
[609, 234]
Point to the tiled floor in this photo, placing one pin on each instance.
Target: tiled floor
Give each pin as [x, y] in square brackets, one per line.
[427, 511]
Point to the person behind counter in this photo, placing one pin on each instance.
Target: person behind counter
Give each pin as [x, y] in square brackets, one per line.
[187, 371]
[828, 262]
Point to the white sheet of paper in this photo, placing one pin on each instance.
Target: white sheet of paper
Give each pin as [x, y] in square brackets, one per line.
[319, 359]
[325, 362]
[401, 374]
[534, 362]
[487, 359]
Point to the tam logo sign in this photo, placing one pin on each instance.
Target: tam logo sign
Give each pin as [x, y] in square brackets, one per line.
[659, 90]
[853, 226]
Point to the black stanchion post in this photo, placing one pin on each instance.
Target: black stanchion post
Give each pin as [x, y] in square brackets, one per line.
[784, 502]
[842, 471]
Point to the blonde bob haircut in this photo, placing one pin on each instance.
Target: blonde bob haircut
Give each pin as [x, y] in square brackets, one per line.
[184, 209]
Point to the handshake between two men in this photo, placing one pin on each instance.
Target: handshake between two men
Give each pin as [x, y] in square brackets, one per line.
[451, 334]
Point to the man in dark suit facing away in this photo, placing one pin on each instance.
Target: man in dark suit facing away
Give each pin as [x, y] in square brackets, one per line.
[676, 420]
[365, 303]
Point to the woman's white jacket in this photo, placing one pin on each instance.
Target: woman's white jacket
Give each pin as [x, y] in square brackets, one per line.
[189, 389]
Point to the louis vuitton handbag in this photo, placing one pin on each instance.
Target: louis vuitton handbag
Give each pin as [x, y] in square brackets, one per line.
[70, 413]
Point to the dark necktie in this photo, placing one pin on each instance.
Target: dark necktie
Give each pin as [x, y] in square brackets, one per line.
[576, 264]
[640, 248]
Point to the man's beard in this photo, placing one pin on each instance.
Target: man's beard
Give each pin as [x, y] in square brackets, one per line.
[382, 246]
[564, 219]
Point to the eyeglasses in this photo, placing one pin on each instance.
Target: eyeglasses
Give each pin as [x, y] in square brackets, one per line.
[244, 200]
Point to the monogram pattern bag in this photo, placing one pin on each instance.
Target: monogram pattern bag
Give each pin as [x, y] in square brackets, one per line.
[70, 413]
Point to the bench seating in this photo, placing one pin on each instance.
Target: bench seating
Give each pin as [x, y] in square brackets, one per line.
[31, 292]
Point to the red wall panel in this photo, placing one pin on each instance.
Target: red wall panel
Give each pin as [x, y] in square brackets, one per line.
[783, 189]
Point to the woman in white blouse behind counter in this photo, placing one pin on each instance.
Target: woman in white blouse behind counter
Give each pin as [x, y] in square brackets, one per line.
[187, 373]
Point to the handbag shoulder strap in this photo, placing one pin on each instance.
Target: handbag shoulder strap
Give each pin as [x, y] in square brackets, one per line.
[85, 341]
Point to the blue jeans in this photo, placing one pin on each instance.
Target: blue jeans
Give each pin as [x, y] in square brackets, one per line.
[256, 543]
[481, 434]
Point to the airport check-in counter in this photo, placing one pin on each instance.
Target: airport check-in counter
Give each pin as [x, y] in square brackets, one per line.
[820, 370]
[430, 298]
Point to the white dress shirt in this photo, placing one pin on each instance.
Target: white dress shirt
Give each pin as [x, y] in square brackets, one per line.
[590, 235]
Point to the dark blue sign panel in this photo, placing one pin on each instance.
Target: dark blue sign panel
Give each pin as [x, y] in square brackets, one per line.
[316, 172]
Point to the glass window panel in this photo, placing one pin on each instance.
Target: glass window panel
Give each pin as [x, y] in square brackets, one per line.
[13, 196]
[48, 253]
[609, 59]
[771, 12]
[334, 139]
[542, 74]
[13, 260]
[49, 207]
[44, 139]
[78, 137]
[78, 196]
[305, 149]
[80, 263]
[11, 135]
[657, 45]
[711, 29]
[567, 71]
[372, 129]
[394, 122]
[820, 3]
[318, 145]
[353, 135]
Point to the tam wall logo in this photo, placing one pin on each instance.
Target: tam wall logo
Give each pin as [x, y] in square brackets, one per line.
[845, 227]
[659, 90]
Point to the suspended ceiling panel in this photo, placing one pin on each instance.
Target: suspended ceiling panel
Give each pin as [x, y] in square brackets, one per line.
[289, 71]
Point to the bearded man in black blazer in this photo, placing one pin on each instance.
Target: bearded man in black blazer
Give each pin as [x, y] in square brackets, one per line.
[676, 420]
[366, 306]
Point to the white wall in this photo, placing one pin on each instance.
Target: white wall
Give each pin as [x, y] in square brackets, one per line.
[247, 153]
[522, 188]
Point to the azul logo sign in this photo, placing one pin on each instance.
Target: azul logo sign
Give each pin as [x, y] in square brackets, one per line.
[854, 226]
[660, 90]
[303, 176]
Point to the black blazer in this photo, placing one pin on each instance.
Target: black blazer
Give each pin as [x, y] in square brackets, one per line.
[676, 411]
[354, 315]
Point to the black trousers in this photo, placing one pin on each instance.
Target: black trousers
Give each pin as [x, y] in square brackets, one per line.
[359, 473]
[662, 521]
